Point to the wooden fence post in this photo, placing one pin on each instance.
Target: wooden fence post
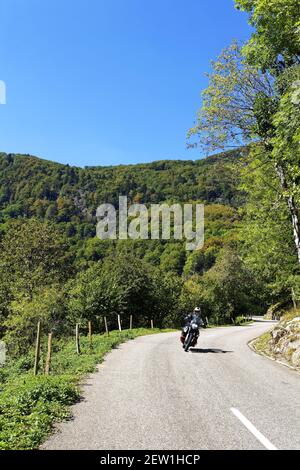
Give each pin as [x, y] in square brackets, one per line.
[207, 322]
[152, 324]
[106, 327]
[90, 335]
[37, 349]
[119, 323]
[130, 322]
[294, 298]
[77, 338]
[48, 359]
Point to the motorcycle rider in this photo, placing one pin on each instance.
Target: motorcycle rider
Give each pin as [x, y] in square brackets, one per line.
[194, 317]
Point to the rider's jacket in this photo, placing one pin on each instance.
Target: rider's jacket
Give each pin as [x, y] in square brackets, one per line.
[193, 317]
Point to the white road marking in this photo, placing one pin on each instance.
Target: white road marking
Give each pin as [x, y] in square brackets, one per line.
[263, 440]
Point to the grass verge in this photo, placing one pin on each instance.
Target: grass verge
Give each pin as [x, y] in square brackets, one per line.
[282, 349]
[30, 405]
[261, 344]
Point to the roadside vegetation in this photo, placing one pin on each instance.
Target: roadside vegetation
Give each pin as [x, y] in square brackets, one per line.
[30, 405]
[283, 342]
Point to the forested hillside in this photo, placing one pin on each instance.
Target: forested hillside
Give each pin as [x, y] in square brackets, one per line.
[68, 196]
[48, 216]
[52, 261]
[32, 187]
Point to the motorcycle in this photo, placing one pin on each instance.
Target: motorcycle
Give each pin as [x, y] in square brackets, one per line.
[191, 334]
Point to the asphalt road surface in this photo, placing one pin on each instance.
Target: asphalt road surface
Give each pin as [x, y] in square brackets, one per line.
[150, 394]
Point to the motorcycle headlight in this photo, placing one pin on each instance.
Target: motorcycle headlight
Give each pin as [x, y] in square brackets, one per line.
[194, 326]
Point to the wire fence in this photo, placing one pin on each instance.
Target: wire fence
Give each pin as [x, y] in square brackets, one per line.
[105, 326]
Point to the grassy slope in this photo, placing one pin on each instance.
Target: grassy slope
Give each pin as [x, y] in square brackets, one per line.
[265, 345]
[30, 405]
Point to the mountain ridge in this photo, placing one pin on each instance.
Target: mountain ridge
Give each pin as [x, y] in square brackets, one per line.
[211, 157]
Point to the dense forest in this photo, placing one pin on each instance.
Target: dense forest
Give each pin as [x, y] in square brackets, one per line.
[48, 211]
[54, 268]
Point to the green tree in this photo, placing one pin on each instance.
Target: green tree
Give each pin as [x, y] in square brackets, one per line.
[275, 43]
[173, 258]
[286, 148]
[48, 305]
[228, 112]
[33, 254]
[274, 47]
[229, 288]
[95, 292]
[123, 285]
[267, 240]
[191, 295]
[243, 104]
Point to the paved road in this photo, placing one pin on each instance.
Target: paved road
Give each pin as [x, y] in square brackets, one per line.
[150, 394]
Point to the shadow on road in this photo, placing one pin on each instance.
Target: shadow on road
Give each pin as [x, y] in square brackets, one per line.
[211, 350]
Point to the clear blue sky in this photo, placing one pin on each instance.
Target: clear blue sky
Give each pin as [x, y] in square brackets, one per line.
[99, 82]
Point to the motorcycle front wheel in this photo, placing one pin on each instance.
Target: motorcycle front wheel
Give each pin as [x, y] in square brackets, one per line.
[187, 342]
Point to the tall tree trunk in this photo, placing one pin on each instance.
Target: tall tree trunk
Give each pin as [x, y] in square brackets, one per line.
[292, 208]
